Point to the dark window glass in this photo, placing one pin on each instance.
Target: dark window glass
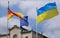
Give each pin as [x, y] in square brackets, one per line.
[15, 36]
[26, 36]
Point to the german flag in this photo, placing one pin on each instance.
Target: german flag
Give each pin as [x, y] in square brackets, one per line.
[10, 14]
[18, 14]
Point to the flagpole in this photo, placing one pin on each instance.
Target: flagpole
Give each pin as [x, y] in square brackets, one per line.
[7, 21]
[21, 30]
[36, 30]
[36, 25]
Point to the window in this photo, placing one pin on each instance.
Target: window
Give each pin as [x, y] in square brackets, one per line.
[26, 36]
[15, 36]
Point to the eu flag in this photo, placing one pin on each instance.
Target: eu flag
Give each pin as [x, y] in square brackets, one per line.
[24, 21]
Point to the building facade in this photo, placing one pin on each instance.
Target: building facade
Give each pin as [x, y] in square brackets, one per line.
[16, 32]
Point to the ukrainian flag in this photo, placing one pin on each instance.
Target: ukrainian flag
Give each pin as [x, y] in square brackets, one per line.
[46, 12]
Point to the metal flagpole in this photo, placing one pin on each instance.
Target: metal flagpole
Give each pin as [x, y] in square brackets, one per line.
[20, 29]
[37, 29]
[42, 34]
[36, 24]
[7, 21]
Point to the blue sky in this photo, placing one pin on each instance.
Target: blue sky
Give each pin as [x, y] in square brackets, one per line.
[50, 27]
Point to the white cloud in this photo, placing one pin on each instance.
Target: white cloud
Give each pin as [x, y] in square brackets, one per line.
[53, 34]
[4, 3]
[32, 6]
[32, 13]
[3, 24]
[11, 23]
[52, 27]
[14, 22]
[27, 2]
[3, 21]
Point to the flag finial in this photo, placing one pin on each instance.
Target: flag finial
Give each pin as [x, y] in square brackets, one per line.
[8, 4]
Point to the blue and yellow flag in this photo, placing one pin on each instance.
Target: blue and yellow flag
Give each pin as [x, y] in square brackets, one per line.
[46, 12]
